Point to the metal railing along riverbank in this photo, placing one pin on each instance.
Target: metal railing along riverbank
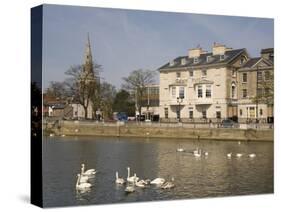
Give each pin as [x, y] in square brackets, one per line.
[59, 123]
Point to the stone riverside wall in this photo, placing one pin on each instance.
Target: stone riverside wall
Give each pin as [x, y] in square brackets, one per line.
[75, 128]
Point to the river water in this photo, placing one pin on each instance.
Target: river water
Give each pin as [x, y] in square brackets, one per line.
[211, 176]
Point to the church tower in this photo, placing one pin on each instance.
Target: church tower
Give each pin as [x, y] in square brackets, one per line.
[88, 66]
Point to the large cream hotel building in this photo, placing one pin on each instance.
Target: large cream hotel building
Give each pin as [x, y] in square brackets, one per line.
[205, 85]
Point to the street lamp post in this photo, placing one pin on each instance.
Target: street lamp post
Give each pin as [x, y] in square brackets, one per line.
[147, 109]
[257, 97]
[179, 100]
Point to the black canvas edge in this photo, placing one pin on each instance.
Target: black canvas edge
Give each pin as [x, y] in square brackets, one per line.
[36, 190]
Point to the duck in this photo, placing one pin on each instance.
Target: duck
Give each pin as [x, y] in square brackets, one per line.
[119, 180]
[229, 155]
[239, 155]
[80, 185]
[168, 184]
[89, 172]
[252, 155]
[158, 181]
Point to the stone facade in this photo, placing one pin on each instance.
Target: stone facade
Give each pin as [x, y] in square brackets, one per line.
[204, 86]
[253, 79]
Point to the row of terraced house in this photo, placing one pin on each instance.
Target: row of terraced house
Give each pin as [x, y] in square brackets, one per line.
[211, 86]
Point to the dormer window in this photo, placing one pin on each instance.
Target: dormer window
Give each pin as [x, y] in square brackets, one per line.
[183, 61]
[222, 57]
[195, 60]
[208, 59]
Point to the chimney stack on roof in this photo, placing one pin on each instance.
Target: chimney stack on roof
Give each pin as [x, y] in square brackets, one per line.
[192, 53]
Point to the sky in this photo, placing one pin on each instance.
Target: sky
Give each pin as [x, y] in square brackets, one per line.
[126, 40]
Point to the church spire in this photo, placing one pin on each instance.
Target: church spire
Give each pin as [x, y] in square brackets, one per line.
[88, 60]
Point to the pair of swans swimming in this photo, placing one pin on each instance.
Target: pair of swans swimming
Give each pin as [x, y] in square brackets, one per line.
[198, 153]
[83, 177]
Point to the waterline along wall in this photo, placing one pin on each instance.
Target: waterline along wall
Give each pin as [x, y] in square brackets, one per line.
[77, 128]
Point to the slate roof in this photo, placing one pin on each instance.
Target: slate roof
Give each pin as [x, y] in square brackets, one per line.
[202, 59]
[251, 62]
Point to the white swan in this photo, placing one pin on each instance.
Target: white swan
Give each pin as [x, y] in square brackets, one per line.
[158, 181]
[169, 184]
[119, 180]
[180, 149]
[252, 155]
[140, 184]
[229, 155]
[89, 172]
[83, 179]
[82, 186]
[239, 155]
[132, 179]
[198, 153]
[130, 189]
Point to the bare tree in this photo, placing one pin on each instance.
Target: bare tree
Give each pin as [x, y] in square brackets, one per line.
[83, 86]
[136, 84]
[57, 90]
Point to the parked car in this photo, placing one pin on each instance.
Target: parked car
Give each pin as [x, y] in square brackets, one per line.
[227, 123]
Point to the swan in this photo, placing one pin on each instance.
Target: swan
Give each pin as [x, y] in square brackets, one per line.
[180, 149]
[83, 179]
[239, 155]
[158, 181]
[81, 186]
[132, 179]
[147, 181]
[198, 154]
[140, 184]
[130, 189]
[89, 172]
[196, 151]
[169, 184]
[119, 180]
[229, 155]
[252, 155]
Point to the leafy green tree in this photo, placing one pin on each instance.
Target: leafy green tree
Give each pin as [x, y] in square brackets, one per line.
[124, 103]
[107, 97]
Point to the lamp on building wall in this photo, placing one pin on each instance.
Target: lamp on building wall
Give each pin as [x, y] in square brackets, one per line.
[179, 101]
